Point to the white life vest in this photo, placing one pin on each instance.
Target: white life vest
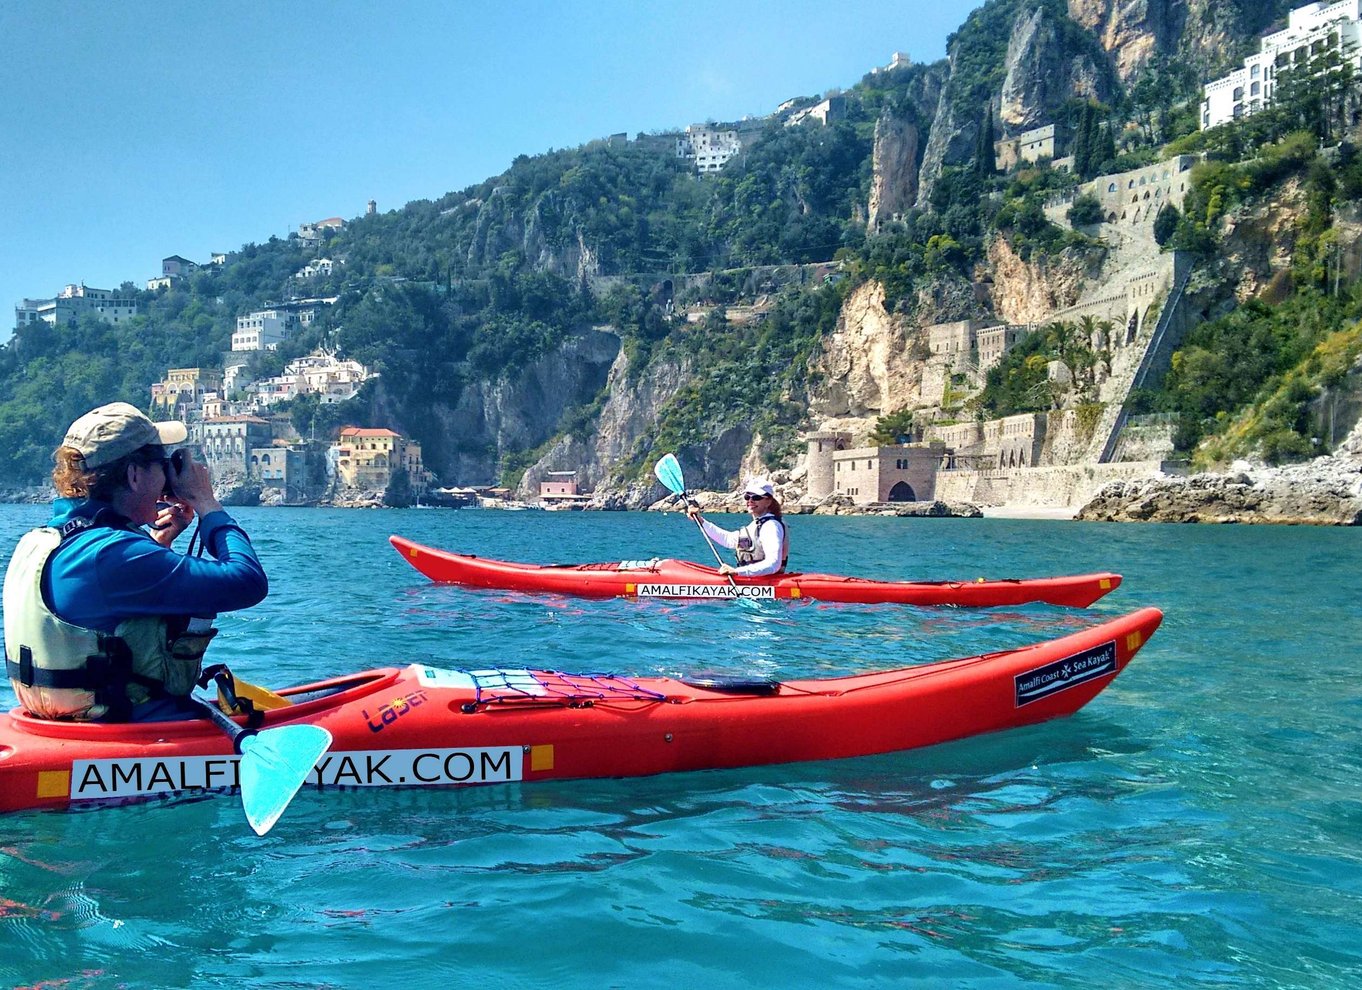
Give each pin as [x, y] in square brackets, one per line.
[749, 549]
[63, 671]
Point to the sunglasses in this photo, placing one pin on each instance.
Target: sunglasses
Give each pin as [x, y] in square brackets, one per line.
[749, 497]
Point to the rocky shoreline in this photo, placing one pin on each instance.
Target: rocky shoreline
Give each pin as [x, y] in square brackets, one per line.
[833, 505]
[1326, 491]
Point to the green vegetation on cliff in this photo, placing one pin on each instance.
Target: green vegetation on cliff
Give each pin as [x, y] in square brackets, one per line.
[476, 286]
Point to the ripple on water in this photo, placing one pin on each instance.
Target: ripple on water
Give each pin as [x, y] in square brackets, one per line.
[1197, 825]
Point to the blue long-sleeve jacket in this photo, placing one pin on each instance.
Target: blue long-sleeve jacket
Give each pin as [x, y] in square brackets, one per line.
[105, 575]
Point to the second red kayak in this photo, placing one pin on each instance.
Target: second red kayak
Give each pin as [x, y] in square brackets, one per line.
[681, 579]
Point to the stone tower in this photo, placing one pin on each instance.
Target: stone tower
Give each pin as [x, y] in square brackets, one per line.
[373, 208]
[822, 445]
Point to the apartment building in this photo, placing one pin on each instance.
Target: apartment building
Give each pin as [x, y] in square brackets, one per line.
[1311, 30]
[73, 301]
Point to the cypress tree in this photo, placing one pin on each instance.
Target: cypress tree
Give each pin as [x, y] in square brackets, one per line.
[985, 160]
[1083, 142]
[1104, 147]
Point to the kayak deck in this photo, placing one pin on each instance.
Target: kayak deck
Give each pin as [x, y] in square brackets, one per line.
[681, 580]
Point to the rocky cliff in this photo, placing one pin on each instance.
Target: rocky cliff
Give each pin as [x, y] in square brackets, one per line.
[1047, 61]
[1212, 36]
[539, 234]
[1133, 32]
[513, 413]
[630, 414]
[893, 182]
[870, 365]
[1044, 70]
[1030, 291]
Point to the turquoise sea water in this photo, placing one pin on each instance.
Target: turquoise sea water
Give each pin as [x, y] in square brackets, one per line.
[1197, 825]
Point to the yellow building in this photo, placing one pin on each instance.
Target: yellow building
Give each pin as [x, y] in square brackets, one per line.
[184, 388]
[366, 459]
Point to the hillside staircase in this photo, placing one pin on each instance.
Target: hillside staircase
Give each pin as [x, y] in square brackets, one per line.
[1156, 353]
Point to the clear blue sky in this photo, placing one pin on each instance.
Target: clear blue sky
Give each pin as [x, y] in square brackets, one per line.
[132, 130]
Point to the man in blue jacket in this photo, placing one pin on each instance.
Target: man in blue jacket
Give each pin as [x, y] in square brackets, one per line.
[104, 621]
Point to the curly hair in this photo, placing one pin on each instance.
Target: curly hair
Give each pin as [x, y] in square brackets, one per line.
[74, 480]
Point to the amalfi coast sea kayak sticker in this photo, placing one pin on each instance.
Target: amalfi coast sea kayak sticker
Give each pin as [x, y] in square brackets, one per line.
[1041, 682]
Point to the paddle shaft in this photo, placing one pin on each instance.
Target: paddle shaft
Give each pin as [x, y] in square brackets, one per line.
[216, 715]
[712, 548]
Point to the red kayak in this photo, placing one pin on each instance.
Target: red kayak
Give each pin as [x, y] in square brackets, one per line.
[426, 726]
[681, 579]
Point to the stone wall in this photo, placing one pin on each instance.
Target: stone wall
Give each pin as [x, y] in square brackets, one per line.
[1070, 485]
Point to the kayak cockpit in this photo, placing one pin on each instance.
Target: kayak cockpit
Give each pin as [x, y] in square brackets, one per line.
[308, 701]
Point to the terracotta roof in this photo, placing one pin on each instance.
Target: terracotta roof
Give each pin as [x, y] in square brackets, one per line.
[356, 431]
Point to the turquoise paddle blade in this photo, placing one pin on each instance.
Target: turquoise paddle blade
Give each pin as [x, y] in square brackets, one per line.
[274, 764]
[668, 471]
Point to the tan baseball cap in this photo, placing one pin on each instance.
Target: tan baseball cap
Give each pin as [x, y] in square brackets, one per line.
[105, 434]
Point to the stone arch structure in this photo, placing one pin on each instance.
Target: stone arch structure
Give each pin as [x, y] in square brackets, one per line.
[902, 492]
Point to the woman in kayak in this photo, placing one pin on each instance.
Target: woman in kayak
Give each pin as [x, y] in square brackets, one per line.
[763, 545]
[104, 621]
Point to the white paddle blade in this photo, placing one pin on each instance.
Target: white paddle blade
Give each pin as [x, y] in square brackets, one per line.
[668, 471]
[274, 764]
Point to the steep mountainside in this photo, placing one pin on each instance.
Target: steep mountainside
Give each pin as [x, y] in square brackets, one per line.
[590, 306]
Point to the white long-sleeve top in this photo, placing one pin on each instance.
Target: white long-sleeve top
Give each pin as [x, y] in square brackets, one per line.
[768, 532]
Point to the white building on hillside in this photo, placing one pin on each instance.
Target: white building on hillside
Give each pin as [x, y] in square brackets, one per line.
[829, 110]
[712, 147]
[1310, 31]
[322, 266]
[73, 301]
[263, 330]
[319, 373]
[311, 233]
